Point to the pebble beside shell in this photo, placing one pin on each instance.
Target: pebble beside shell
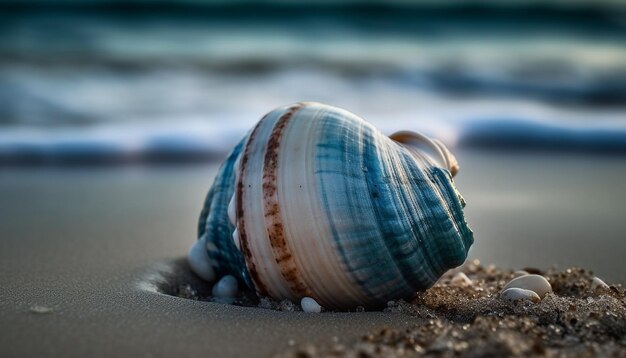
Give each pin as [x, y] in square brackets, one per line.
[533, 283]
[516, 294]
[598, 284]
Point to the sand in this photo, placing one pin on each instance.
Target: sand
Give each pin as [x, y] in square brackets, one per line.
[473, 320]
[466, 318]
[80, 250]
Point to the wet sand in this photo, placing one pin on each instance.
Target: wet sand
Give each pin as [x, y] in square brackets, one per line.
[79, 249]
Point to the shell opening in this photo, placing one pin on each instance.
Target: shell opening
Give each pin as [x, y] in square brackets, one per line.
[432, 148]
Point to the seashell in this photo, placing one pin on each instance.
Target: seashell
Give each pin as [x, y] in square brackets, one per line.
[535, 283]
[519, 273]
[598, 284]
[316, 202]
[516, 294]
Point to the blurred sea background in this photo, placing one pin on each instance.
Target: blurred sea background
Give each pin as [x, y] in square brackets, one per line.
[88, 81]
[99, 98]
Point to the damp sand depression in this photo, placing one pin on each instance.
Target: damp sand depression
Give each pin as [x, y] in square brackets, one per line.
[83, 246]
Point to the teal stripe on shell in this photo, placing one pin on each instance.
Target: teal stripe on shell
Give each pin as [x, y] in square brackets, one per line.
[409, 240]
[456, 251]
[342, 176]
[214, 228]
[405, 242]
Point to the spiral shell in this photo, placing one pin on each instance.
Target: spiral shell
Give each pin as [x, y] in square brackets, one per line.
[316, 202]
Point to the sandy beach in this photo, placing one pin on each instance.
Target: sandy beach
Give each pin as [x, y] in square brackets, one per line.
[82, 249]
[115, 117]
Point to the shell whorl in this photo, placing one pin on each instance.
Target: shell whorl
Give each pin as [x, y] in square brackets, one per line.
[317, 202]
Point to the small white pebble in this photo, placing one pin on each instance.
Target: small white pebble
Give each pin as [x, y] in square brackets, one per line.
[291, 342]
[226, 287]
[200, 262]
[516, 294]
[519, 273]
[535, 283]
[310, 305]
[461, 279]
[597, 283]
[40, 309]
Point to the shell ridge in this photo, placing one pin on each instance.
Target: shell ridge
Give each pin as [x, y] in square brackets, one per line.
[389, 215]
[438, 224]
[418, 197]
[243, 235]
[453, 201]
[329, 282]
[408, 199]
[214, 230]
[450, 234]
[357, 252]
[324, 169]
[274, 224]
[293, 168]
[426, 203]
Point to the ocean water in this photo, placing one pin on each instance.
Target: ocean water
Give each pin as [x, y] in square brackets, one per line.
[99, 82]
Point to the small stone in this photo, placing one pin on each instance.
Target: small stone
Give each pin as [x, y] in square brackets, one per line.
[517, 294]
[598, 284]
[461, 279]
[226, 287]
[291, 343]
[532, 282]
[200, 262]
[520, 273]
[40, 309]
[310, 305]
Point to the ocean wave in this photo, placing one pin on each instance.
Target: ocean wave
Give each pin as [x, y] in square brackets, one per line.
[115, 144]
[533, 136]
[569, 56]
[193, 140]
[82, 82]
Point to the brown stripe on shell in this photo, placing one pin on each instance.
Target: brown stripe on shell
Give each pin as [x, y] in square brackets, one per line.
[243, 237]
[275, 228]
